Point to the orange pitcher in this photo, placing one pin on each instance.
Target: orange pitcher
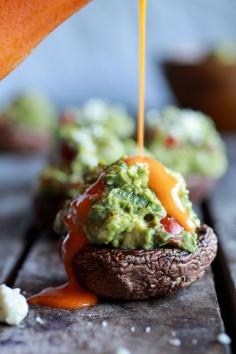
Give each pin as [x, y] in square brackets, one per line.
[25, 23]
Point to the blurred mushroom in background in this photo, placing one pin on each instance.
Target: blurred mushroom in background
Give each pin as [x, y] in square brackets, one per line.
[188, 142]
[27, 123]
[205, 80]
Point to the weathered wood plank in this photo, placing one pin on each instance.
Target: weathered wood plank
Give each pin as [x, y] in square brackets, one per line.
[11, 230]
[223, 208]
[192, 315]
[17, 175]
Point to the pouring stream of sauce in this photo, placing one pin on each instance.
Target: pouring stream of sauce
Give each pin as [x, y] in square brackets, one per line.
[142, 57]
[72, 295]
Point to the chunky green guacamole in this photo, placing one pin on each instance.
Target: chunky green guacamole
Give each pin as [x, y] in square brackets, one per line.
[129, 215]
[187, 142]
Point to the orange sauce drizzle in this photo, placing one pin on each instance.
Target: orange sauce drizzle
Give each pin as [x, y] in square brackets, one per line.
[166, 189]
[142, 46]
[72, 295]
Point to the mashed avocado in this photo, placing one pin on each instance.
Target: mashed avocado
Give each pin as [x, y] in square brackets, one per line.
[187, 142]
[129, 215]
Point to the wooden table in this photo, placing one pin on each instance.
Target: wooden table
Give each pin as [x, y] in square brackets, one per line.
[187, 322]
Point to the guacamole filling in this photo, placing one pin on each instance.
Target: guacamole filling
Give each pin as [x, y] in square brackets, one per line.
[129, 215]
[186, 141]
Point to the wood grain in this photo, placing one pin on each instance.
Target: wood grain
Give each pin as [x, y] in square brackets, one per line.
[192, 315]
[17, 177]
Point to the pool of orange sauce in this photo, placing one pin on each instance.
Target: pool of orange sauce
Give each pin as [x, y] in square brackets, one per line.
[72, 295]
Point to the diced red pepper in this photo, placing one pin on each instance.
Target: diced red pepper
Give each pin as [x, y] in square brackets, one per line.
[171, 226]
[170, 141]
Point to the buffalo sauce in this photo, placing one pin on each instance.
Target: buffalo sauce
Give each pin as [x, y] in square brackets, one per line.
[167, 190]
[142, 46]
[164, 185]
[72, 295]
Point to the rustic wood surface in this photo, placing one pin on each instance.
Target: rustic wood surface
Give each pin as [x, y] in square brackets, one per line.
[12, 245]
[222, 212]
[17, 178]
[192, 315]
[223, 207]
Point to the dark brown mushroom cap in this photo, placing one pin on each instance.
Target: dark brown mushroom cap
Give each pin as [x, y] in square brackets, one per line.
[138, 274]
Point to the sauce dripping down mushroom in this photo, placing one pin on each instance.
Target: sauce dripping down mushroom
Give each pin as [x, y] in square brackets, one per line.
[71, 295]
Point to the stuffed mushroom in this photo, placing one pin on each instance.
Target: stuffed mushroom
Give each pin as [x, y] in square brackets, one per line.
[27, 124]
[143, 239]
[188, 142]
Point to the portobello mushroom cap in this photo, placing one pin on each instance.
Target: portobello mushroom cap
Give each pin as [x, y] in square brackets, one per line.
[139, 274]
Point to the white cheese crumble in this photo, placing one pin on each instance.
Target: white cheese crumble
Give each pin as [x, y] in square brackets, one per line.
[148, 329]
[13, 305]
[39, 320]
[223, 338]
[176, 342]
[104, 324]
[122, 350]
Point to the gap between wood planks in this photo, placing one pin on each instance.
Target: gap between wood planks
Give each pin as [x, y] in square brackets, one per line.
[223, 281]
[30, 237]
